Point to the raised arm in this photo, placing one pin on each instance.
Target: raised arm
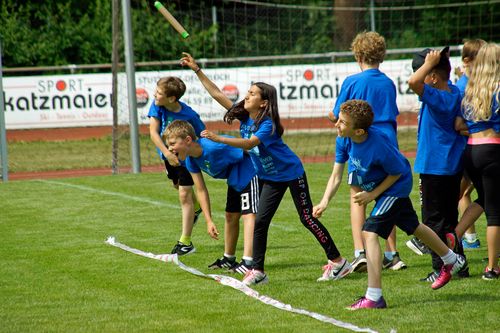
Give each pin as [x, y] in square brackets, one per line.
[331, 189]
[204, 200]
[210, 87]
[416, 81]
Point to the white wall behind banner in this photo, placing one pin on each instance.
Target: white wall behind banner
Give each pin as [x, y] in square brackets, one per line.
[304, 91]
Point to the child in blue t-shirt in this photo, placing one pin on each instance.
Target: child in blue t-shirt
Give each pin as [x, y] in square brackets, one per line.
[439, 148]
[383, 174]
[166, 108]
[220, 161]
[277, 166]
[379, 91]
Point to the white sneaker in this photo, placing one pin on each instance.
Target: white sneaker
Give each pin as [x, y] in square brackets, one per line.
[253, 277]
[335, 271]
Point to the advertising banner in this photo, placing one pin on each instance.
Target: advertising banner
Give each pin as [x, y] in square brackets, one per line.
[304, 91]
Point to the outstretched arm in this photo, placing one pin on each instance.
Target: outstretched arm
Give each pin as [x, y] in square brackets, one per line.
[210, 87]
[204, 200]
[242, 143]
[331, 189]
[154, 134]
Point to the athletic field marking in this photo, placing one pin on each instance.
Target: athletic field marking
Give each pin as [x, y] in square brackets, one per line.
[238, 285]
[142, 200]
[110, 193]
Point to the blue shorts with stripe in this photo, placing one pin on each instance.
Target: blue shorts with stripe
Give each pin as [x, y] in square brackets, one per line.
[246, 201]
[389, 212]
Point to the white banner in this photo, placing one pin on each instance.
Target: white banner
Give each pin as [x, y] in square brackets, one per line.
[304, 91]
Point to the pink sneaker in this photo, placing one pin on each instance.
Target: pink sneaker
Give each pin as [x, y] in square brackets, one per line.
[447, 271]
[253, 277]
[365, 303]
[335, 271]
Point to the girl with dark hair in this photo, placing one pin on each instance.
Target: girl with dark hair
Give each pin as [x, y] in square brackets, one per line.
[277, 166]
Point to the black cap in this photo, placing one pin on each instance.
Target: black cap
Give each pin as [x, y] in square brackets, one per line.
[444, 61]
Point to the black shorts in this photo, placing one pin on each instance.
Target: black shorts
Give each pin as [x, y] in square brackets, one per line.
[246, 201]
[178, 174]
[391, 211]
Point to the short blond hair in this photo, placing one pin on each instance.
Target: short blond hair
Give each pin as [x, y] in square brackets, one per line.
[179, 129]
[369, 47]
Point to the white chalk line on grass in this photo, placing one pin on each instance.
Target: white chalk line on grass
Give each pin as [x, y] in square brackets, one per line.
[110, 193]
[238, 285]
[141, 199]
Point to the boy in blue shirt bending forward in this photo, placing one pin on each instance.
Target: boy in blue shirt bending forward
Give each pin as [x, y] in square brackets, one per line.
[220, 161]
[384, 175]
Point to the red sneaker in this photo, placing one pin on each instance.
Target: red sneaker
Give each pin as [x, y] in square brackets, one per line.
[447, 271]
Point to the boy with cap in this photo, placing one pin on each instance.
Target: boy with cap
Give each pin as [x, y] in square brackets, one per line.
[439, 148]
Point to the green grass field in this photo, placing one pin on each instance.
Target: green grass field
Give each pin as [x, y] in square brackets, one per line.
[58, 275]
[39, 156]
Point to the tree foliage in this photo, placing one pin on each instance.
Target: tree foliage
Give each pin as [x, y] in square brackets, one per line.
[62, 32]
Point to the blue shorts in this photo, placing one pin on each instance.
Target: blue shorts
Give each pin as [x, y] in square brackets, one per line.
[389, 212]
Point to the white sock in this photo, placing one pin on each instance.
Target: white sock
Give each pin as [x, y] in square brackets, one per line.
[471, 238]
[357, 252]
[231, 257]
[373, 294]
[247, 259]
[449, 258]
[389, 255]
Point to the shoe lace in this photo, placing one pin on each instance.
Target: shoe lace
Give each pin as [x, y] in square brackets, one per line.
[249, 274]
[327, 268]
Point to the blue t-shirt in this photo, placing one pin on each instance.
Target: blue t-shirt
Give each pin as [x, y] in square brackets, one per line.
[462, 84]
[221, 161]
[166, 117]
[373, 160]
[493, 122]
[439, 145]
[379, 91]
[272, 158]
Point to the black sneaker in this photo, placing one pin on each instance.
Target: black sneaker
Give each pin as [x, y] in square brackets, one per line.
[359, 263]
[395, 264]
[492, 274]
[417, 246]
[223, 262]
[242, 268]
[431, 277]
[464, 271]
[183, 249]
[197, 214]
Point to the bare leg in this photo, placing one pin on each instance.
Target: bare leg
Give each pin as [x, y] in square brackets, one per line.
[231, 232]
[390, 243]
[374, 259]
[493, 237]
[248, 227]
[358, 214]
[466, 189]
[429, 238]
[469, 217]
[187, 206]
